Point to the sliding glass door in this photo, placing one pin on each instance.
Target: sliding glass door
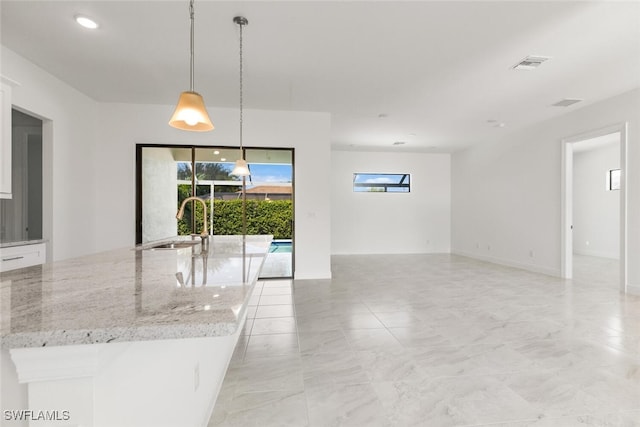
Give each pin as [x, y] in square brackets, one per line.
[166, 175]
[269, 201]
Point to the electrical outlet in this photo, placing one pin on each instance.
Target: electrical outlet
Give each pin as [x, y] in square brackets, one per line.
[196, 377]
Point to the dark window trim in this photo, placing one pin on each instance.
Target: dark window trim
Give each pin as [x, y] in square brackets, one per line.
[383, 185]
[138, 184]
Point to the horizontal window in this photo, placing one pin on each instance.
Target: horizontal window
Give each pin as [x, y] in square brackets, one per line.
[382, 182]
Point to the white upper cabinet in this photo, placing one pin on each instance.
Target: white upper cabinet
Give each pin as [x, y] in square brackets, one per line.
[5, 140]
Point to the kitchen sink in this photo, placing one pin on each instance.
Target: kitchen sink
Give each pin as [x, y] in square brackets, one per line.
[173, 245]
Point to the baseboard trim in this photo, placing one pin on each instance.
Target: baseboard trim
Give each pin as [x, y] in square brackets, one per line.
[633, 289]
[313, 276]
[508, 263]
[597, 254]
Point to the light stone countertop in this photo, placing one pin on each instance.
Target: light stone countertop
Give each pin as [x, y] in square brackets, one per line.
[132, 294]
[21, 243]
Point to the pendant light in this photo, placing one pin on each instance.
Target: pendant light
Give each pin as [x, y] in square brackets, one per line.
[190, 113]
[241, 168]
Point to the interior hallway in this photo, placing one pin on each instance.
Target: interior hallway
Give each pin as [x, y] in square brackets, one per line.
[437, 340]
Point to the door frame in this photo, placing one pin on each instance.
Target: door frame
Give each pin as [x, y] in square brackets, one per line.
[292, 150]
[566, 240]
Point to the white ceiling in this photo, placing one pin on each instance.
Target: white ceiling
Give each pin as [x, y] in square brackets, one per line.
[438, 70]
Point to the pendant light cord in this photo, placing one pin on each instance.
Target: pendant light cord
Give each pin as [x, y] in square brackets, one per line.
[191, 14]
[241, 100]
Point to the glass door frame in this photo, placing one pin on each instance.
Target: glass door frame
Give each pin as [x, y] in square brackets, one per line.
[194, 148]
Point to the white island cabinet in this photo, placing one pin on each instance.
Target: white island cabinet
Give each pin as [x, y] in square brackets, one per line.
[131, 337]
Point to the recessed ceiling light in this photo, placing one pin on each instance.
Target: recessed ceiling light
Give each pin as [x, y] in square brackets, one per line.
[86, 22]
[223, 159]
[216, 152]
[500, 125]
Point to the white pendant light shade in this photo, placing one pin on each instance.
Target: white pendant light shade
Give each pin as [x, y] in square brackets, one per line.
[241, 168]
[191, 113]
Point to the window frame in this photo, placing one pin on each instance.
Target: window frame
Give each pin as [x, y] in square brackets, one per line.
[382, 187]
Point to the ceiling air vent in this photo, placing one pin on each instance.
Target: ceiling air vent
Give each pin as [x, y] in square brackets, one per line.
[530, 63]
[566, 102]
[399, 143]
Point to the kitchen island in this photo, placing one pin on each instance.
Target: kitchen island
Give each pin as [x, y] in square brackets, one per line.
[137, 336]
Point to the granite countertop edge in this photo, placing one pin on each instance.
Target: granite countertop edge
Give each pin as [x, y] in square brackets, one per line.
[117, 334]
[22, 243]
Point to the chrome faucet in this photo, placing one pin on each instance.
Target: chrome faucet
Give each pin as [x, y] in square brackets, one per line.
[205, 230]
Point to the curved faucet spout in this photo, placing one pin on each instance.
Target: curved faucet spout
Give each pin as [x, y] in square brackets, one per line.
[205, 230]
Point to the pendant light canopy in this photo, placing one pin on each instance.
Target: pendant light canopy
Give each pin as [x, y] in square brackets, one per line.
[241, 168]
[191, 113]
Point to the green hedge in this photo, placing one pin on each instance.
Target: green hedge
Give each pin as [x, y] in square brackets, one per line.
[263, 217]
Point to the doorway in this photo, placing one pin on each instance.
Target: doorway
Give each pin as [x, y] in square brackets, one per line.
[594, 204]
[269, 194]
[22, 215]
[166, 175]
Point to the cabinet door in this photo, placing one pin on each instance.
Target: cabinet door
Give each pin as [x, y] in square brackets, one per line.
[22, 256]
[5, 141]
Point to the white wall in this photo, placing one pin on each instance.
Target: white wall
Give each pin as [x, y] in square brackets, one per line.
[385, 223]
[68, 154]
[90, 163]
[596, 210]
[506, 194]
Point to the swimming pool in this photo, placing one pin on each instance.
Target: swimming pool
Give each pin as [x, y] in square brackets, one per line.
[280, 247]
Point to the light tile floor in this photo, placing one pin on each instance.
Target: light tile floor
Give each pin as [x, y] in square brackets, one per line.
[437, 340]
[277, 265]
